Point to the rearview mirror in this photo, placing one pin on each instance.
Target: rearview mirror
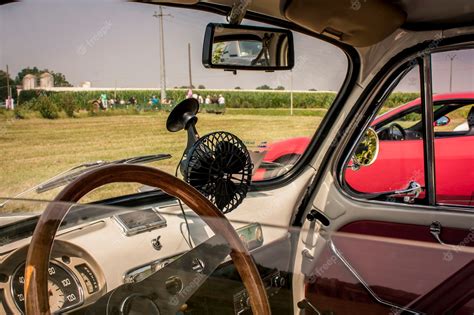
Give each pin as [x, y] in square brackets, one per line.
[442, 121]
[242, 47]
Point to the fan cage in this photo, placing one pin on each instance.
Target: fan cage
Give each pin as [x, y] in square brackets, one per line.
[219, 166]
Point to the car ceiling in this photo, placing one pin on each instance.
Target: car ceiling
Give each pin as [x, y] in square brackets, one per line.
[421, 14]
[359, 23]
[437, 14]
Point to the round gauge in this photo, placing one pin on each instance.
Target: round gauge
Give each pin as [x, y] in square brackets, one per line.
[63, 289]
[56, 296]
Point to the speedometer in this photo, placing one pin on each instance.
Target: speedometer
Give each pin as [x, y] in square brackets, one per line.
[63, 288]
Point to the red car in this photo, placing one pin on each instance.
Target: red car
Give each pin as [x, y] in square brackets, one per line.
[400, 155]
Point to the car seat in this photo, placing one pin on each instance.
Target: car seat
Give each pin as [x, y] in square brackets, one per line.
[470, 122]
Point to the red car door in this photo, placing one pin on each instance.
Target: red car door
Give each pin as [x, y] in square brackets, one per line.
[455, 170]
[400, 161]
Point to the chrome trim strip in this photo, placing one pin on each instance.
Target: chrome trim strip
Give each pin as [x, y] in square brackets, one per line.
[366, 286]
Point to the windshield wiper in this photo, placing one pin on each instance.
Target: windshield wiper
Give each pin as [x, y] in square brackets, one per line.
[71, 174]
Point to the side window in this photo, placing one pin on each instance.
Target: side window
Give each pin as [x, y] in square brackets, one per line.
[400, 158]
[453, 84]
[399, 164]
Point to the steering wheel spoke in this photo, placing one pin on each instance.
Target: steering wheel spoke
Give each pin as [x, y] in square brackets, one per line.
[169, 288]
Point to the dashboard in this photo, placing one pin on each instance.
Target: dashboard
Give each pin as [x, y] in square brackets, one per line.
[98, 250]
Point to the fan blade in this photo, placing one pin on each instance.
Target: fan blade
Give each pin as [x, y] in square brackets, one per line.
[198, 168]
[232, 157]
[224, 194]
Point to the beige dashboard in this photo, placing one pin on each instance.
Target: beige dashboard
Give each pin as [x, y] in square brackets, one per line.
[100, 255]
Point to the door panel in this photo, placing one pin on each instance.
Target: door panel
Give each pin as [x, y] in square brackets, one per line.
[401, 271]
[392, 250]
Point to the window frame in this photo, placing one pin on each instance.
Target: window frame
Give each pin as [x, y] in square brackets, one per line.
[380, 88]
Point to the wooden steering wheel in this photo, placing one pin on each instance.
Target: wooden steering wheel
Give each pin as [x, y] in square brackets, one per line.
[36, 269]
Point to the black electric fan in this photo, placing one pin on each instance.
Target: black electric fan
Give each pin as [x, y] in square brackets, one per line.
[217, 164]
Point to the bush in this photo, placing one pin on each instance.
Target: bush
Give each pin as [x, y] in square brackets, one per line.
[71, 102]
[28, 95]
[20, 112]
[47, 107]
[68, 103]
[398, 98]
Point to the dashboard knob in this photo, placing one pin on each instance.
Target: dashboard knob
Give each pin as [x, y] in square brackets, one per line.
[247, 302]
[278, 282]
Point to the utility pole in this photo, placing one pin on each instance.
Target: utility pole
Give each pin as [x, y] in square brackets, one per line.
[160, 16]
[291, 92]
[9, 92]
[189, 65]
[451, 57]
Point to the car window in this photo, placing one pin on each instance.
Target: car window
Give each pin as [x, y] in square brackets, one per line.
[409, 119]
[453, 75]
[399, 161]
[455, 120]
[86, 89]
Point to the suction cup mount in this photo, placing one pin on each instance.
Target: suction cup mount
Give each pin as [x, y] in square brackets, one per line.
[183, 116]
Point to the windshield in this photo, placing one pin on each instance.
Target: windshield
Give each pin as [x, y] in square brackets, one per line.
[93, 83]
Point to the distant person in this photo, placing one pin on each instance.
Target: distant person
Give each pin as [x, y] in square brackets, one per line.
[221, 100]
[155, 102]
[10, 104]
[200, 99]
[132, 100]
[189, 94]
[103, 100]
[207, 101]
[214, 99]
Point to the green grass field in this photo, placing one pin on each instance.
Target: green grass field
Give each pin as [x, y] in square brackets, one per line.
[34, 149]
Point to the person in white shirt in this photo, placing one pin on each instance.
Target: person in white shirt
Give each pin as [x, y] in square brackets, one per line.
[221, 100]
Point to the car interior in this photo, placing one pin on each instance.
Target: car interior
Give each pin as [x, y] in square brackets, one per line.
[334, 231]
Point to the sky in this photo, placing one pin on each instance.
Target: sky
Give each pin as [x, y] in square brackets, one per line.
[114, 43]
